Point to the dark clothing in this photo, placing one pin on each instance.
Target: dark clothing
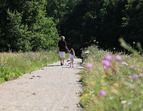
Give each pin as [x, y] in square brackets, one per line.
[62, 45]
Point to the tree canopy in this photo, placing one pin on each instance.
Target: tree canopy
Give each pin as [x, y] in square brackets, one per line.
[37, 24]
[25, 27]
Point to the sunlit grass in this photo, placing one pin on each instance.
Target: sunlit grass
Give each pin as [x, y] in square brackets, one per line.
[12, 65]
[116, 86]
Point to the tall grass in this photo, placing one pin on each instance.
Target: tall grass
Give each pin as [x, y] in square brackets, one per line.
[12, 65]
[112, 82]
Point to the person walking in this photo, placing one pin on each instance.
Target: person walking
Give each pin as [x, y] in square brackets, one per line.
[62, 48]
[72, 54]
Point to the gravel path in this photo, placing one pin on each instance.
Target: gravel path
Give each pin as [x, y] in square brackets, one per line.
[52, 88]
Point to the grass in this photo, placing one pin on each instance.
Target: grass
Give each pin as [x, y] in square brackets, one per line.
[111, 84]
[13, 65]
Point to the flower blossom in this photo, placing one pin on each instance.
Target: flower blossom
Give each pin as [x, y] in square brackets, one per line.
[102, 93]
[89, 66]
[140, 75]
[118, 58]
[108, 57]
[116, 85]
[123, 101]
[134, 76]
[92, 83]
[106, 64]
[124, 63]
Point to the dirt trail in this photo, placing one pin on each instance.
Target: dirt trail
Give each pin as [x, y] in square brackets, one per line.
[52, 88]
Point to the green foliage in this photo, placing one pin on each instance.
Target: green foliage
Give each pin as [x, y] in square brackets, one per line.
[45, 36]
[17, 34]
[120, 83]
[59, 10]
[104, 21]
[13, 65]
[24, 27]
[35, 25]
[127, 47]
[132, 21]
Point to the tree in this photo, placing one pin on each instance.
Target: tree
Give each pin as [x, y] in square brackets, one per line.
[83, 24]
[59, 10]
[23, 23]
[133, 21]
[95, 20]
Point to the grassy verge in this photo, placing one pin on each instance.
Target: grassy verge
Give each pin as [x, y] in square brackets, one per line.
[12, 65]
[112, 82]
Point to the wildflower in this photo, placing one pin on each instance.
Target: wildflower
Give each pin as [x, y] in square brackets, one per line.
[108, 57]
[92, 83]
[116, 85]
[134, 76]
[89, 66]
[106, 64]
[140, 75]
[102, 93]
[124, 102]
[87, 52]
[104, 88]
[85, 95]
[124, 63]
[118, 58]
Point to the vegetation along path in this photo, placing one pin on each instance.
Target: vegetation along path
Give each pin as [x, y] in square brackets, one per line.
[52, 88]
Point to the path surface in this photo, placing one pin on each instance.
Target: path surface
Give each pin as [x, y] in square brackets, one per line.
[53, 88]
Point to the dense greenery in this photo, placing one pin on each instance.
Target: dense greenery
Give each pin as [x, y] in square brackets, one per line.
[112, 81]
[103, 22]
[59, 10]
[14, 65]
[23, 26]
[36, 24]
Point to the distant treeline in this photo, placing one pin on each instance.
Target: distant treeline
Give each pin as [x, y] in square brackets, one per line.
[37, 24]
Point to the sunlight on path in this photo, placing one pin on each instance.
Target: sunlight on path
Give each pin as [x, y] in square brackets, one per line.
[52, 88]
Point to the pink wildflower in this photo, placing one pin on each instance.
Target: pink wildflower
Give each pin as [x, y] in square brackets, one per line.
[140, 75]
[106, 64]
[108, 57]
[134, 76]
[102, 93]
[124, 63]
[118, 58]
[89, 66]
